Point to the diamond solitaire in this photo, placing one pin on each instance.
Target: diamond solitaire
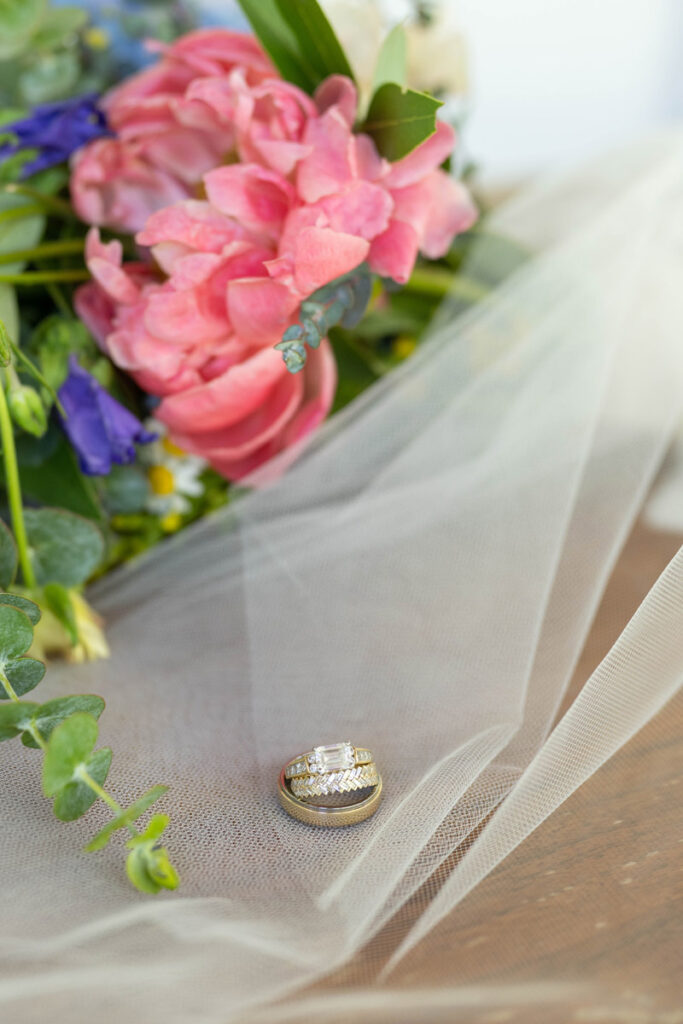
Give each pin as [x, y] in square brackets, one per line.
[333, 758]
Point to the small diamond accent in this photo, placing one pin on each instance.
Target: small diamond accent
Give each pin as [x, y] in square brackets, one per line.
[333, 758]
[363, 756]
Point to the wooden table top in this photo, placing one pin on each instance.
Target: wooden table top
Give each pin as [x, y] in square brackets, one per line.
[582, 922]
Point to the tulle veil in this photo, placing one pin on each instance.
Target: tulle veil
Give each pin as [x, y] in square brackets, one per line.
[421, 581]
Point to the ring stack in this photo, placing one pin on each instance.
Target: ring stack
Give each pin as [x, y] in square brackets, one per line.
[328, 771]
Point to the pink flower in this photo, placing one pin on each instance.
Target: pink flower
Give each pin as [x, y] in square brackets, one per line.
[202, 338]
[305, 201]
[165, 140]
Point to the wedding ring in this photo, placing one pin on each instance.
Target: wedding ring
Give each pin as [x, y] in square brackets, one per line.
[333, 770]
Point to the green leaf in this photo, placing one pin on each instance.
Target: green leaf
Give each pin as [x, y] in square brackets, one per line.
[46, 717]
[24, 674]
[16, 633]
[18, 19]
[125, 490]
[392, 59]
[77, 797]
[8, 556]
[65, 548]
[29, 608]
[299, 40]
[400, 119]
[130, 815]
[56, 26]
[57, 473]
[315, 37]
[14, 717]
[21, 233]
[58, 600]
[69, 746]
[9, 310]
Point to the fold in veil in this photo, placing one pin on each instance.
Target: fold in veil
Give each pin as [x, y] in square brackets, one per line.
[422, 582]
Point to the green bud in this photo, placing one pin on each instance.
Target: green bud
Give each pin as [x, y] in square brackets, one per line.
[27, 409]
[149, 868]
[5, 346]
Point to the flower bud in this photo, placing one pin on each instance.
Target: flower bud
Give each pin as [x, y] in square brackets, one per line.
[27, 409]
[149, 868]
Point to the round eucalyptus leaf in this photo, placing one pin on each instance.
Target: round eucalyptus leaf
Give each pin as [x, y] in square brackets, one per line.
[65, 547]
[70, 745]
[14, 717]
[29, 608]
[16, 632]
[47, 717]
[77, 797]
[8, 556]
[24, 674]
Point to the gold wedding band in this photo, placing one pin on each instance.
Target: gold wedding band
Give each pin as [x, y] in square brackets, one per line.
[338, 769]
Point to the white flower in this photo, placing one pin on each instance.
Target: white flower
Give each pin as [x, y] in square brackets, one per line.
[172, 474]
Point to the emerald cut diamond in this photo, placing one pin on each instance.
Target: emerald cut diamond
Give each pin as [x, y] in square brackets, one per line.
[334, 758]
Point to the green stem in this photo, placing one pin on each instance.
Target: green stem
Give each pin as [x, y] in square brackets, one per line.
[84, 776]
[50, 204]
[35, 372]
[70, 246]
[9, 689]
[57, 296]
[19, 212]
[13, 486]
[45, 276]
[440, 283]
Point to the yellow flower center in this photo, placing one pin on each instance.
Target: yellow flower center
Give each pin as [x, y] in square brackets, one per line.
[96, 38]
[172, 522]
[161, 480]
[172, 449]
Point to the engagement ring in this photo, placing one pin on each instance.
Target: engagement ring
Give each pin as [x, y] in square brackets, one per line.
[331, 771]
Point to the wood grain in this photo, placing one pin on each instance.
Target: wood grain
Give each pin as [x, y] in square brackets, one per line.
[583, 922]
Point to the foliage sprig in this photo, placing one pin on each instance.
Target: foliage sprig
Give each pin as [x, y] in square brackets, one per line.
[74, 772]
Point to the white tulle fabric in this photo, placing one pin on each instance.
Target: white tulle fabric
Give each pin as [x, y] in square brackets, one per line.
[422, 582]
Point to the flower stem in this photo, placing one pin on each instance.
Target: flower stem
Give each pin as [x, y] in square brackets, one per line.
[84, 776]
[441, 283]
[13, 486]
[19, 212]
[49, 204]
[68, 247]
[45, 277]
[35, 372]
[57, 297]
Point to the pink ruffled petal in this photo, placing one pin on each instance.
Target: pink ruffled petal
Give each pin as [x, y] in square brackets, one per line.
[339, 92]
[362, 209]
[449, 212]
[394, 252]
[320, 255]
[225, 400]
[194, 223]
[256, 197]
[330, 164]
[184, 317]
[96, 310]
[426, 158]
[260, 309]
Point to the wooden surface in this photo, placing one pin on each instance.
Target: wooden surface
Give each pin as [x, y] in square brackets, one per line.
[583, 922]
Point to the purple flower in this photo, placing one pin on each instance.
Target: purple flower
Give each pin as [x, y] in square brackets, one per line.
[101, 430]
[56, 130]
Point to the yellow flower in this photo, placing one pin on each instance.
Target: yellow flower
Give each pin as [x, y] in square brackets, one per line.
[96, 38]
[404, 347]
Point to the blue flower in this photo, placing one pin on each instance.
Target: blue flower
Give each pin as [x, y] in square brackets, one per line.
[55, 130]
[100, 429]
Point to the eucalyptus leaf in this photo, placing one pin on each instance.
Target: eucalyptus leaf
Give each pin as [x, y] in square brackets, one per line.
[8, 556]
[70, 745]
[65, 548]
[77, 797]
[392, 60]
[14, 717]
[400, 119]
[9, 310]
[130, 815]
[53, 469]
[29, 608]
[46, 717]
[24, 674]
[16, 633]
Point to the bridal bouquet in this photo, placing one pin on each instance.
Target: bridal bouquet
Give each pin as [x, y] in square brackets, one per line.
[198, 265]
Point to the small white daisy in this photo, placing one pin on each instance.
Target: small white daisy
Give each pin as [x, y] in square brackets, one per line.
[172, 474]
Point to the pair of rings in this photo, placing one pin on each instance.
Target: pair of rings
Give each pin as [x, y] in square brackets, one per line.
[312, 783]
